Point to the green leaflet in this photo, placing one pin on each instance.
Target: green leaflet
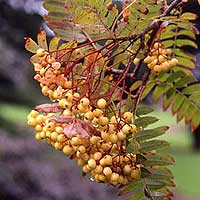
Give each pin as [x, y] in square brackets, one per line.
[168, 98]
[145, 121]
[132, 186]
[153, 145]
[150, 133]
[158, 160]
[159, 92]
[143, 110]
[195, 88]
[178, 90]
[178, 100]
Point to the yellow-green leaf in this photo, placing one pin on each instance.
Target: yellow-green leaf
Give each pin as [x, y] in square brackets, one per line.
[30, 45]
[42, 39]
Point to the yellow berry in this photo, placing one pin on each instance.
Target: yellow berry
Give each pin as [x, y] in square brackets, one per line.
[85, 157]
[92, 163]
[157, 68]
[86, 169]
[58, 145]
[114, 177]
[127, 169]
[50, 126]
[37, 67]
[93, 139]
[88, 115]
[114, 120]
[34, 113]
[54, 136]
[38, 128]
[107, 171]
[148, 59]
[82, 149]
[161, 58]
[135, 174]
[105, 136]
[107, 160]
[40, 52]
[32, 122]
[61, 138]
[40, 119]
[98, 169]
[67, 150]
[173, 62]
[97, 155]
[126, 129]
[68, 84]
[75, 141]
[165, 66]
[133, 128]
[97, 113]
[76, 95]
[37, 136]
[82, 108]
[106, 146]
[121, 135]
[80, 162]
[69, 96]
[85, 102]
[67, 112]
[103, 121]
[59, 129]
[101, 103]
[45, 90]
[128, 116]
[102, 178]
[113, 138]
[168, 51]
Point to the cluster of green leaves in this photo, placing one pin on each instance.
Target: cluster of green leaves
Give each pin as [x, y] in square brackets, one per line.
[155, 176]
[180, 91]
[180, 33]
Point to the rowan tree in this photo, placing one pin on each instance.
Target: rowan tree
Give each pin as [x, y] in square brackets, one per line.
[98, 68]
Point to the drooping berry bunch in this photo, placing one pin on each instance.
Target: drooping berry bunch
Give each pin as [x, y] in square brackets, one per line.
[87, 135]
[50, 74]
[89, 131]
[159, 59]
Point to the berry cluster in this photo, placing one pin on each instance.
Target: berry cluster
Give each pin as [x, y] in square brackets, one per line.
[50, 74]
[159, 59]
[89, 131]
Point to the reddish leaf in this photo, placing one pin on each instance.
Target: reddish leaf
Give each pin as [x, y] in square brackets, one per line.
[48, 108]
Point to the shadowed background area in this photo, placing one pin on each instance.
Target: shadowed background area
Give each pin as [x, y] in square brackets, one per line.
[32, 170]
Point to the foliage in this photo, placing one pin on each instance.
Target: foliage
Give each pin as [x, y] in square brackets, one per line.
[109, 59]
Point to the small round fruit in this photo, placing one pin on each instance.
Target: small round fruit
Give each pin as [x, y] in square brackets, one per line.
[107, 160]
[121, 135]
[98, 169]
[40, 52]
[85, 102]
[114, 177]
[135, 174]
[92, 163]
[107, 171]
[67, 150]
[127, 169]
[128, 116]
[101, 103]
[97, 155]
